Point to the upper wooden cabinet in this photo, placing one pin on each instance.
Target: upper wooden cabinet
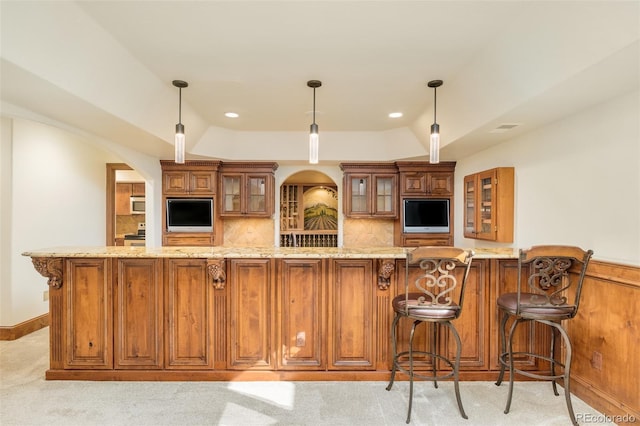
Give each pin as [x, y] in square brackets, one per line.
[488, 205]
[371, 190]
[247, 189]
[193, 179]
[185, 182]
[420, 178]
[124, 192]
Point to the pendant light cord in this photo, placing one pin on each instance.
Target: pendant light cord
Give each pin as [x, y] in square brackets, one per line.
[314, 105]
[180, 105]
[435, 103]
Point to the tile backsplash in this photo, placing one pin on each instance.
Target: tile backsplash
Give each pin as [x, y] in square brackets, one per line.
[367, 233]
[260, 233]
[249, 232]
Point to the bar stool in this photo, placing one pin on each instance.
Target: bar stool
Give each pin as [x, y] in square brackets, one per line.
[548, 291]
[434, 276]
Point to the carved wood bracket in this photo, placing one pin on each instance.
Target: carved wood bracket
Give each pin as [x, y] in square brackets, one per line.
[385, 270]
[217, 274]
[51, 268]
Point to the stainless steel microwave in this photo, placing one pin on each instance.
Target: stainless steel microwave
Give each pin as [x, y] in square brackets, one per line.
[137, 205]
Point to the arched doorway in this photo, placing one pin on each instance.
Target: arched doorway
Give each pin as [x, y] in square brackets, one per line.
[308, 210]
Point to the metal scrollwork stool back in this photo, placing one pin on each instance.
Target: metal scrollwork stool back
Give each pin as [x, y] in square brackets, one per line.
[548, 291]
[435, 279]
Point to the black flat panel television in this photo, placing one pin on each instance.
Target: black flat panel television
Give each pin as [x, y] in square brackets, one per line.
[425, 215]
[190, 214]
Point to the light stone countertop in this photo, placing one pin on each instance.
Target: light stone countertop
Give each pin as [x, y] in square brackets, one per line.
[220, 252]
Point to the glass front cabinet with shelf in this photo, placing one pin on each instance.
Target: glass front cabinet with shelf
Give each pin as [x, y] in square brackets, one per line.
[247, 189]
[370, 190]
[488, 205]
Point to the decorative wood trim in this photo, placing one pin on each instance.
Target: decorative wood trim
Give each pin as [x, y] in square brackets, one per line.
[210, 165]
[386, 267]
[216, 273]
[248, 166]
[111, 200]
[24, 328]
[51, 268]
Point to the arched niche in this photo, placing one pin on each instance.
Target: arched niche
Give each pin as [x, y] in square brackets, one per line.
[309, 209]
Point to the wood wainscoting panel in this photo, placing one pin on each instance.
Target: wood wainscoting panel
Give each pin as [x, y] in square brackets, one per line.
[605, 335]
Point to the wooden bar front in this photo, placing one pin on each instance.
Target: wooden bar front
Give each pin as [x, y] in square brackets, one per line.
[131, 313]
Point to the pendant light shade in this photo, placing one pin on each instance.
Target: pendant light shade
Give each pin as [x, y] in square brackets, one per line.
[314, 138]
[179, 141]
[434, 140]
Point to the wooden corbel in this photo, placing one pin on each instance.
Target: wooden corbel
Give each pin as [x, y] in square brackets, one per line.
[217, 274]
[385, 270]
[51, 268]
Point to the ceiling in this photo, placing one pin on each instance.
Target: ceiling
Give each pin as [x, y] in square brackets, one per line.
[104, 68]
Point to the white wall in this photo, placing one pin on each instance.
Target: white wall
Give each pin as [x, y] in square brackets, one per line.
[577, 182]
[5, 219]
[57, 198]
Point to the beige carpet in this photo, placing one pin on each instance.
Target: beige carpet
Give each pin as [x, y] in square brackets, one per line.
[27, 399]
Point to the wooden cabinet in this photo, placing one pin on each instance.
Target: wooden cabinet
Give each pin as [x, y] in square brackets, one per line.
[371, 190]
[193, 179]
[87, 314]
[488, 205]
[530, 336]
[471, 324]
[301, 340]
[189, 305]
[247, 189]
[124, 192]
[427, 183]
[352, 315]
[138, 314]
[251, 309]
[192, 319]
[420, 179]
[189, 182]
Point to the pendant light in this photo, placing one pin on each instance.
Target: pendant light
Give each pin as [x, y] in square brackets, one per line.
[314, 139]
[179, 142]
[434, 141]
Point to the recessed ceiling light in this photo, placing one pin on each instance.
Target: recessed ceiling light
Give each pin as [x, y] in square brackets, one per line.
[231, 114]
[395, 115]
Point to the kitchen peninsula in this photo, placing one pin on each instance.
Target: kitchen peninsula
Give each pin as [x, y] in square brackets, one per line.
[232, 313]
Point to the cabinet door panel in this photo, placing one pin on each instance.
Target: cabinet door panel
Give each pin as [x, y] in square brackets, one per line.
[123, 199]
[231, 194]
[530, 337]
[302, 301]
[386, 199]
[471, 324]
[250, 306]
[413, 183]
[440, 183]
[352, 315]
[202, 182]
[358, 204]
[87, 309]
[138, 314]
[190, 315]
[257, 189]
[176, 182]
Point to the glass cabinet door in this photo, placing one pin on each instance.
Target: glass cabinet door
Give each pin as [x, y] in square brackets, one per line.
[470, 206]
[360, 194]
[256, 187]
[231, 196]
[385, 195]
[486, 199]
